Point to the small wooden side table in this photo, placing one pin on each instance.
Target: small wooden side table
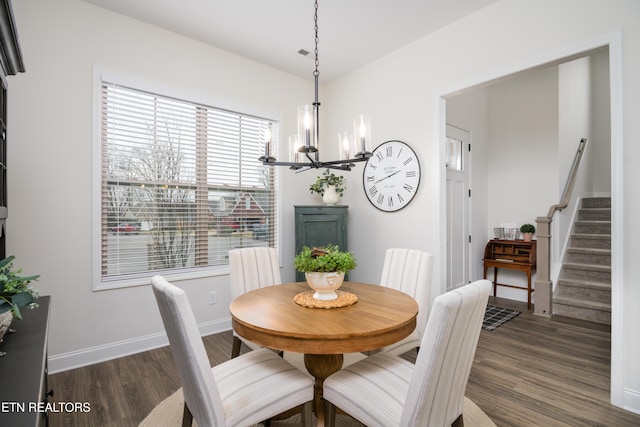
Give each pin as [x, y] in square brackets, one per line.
[514, 255]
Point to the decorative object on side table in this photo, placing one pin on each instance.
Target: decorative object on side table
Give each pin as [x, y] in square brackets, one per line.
[527, 231]
[330, 186]
[324, 269]
[15, 293]
[507, 231]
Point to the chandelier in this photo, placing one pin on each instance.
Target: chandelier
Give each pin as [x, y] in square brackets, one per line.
[303, 147]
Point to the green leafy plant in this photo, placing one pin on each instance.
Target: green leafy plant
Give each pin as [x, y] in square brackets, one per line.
[325, 180]
[15, 291]
[527, 228]
[324, 260]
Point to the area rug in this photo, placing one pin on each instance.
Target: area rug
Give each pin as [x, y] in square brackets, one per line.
[169, 414]
[496, 316]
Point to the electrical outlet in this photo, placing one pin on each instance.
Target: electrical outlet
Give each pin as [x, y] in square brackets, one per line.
[213, 298]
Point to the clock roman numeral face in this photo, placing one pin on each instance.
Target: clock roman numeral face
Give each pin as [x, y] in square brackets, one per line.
[391, 176]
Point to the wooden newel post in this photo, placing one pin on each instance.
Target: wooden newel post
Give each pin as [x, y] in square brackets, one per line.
[544, 287]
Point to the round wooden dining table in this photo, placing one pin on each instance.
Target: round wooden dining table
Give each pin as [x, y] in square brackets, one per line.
[270, 317]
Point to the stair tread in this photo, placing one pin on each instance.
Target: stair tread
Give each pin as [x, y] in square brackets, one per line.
[591, 236]
[589, 267]
[585, 284]
[576, 302]
[581, 250]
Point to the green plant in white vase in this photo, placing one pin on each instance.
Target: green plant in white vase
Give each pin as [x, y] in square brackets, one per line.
[330, 186]
[324, 269]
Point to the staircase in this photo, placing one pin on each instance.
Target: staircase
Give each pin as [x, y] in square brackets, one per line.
[584, 285]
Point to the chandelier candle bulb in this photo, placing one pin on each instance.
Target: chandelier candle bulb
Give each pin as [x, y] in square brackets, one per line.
[267, 142]
[362, 128]
[294, 148]
[344, 145]
[306, 128]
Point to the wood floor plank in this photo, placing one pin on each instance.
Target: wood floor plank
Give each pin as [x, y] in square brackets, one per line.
[535, 371]
[531, 371]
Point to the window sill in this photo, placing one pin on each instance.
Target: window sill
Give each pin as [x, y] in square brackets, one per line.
[170, 276]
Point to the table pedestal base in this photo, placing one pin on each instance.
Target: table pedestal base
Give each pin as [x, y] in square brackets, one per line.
[321, 366]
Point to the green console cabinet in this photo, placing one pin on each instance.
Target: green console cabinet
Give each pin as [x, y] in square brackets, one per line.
[320, 226]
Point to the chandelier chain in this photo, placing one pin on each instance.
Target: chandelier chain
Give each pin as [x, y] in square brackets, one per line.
[316, 73]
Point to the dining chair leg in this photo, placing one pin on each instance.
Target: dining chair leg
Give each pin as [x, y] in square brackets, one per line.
[459, 422]
[187, 417]
[307, 410]
[329, 414]
[235, 350]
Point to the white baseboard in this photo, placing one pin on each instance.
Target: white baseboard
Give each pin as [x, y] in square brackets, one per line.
[631, 401]
[89, 356]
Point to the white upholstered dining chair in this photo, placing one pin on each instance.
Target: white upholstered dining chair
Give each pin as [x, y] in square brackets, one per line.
[251, 268]
[240, 392]
[386, 390]
[409, 271]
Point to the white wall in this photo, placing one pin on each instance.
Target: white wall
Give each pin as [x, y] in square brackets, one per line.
[523, 149]
[600, 129]
[402, 93]
[50, 128]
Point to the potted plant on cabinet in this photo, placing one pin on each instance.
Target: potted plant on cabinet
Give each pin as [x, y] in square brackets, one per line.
[330, 186]
[324, 269]
[527, 231]
[15, 290]
[15, 293]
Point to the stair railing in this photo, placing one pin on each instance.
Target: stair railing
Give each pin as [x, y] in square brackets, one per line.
[544, 286]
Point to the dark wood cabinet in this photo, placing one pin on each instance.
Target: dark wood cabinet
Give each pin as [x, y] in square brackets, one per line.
[320, 226]
[23, 370]
[512, 254]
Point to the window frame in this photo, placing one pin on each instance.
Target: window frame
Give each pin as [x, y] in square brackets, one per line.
[101, 75]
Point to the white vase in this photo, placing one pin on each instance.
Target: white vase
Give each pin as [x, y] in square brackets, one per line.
[330, 196]
[5, 326]
[325, 284]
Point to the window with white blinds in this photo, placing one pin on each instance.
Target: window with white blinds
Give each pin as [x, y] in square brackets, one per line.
[181, 184]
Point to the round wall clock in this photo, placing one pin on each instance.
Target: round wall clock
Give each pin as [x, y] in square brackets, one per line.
[391, 176]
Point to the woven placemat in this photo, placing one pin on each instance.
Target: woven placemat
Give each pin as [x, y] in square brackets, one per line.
[345, 299]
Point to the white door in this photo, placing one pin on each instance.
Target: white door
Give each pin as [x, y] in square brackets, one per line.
[458, 153]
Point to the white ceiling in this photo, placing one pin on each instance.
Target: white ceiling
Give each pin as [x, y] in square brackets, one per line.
[352, 33]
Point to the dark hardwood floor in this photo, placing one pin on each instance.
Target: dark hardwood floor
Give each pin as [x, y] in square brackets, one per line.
[531, 371]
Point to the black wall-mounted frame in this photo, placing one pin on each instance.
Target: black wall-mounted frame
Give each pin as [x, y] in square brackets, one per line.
[10, 63]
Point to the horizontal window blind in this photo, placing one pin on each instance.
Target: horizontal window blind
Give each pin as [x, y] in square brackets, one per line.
[181, 183]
